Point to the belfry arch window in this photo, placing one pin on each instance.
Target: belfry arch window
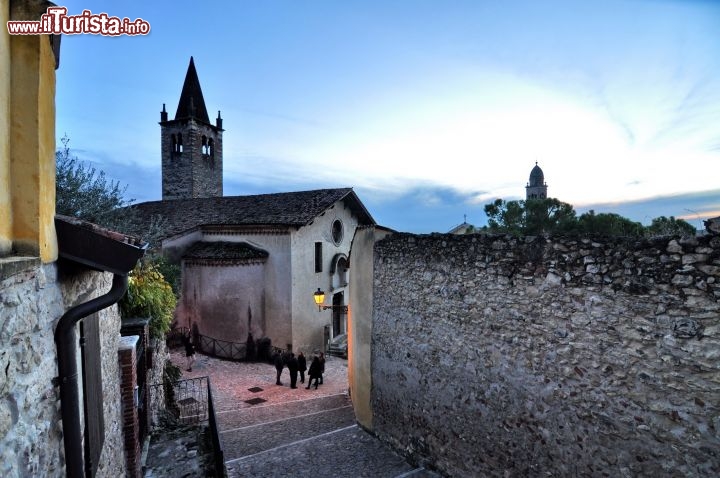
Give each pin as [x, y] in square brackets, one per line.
[205, 147]
[211, 147]
[179, 143]
[339, 271]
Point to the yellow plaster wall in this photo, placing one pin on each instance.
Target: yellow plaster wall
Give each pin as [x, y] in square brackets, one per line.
[29, 179]
[360, 319]
[5, 201]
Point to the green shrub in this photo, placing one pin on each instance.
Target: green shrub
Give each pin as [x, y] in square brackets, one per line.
[149, 295]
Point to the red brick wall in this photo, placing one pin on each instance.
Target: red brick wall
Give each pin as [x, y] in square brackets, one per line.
[131, 428]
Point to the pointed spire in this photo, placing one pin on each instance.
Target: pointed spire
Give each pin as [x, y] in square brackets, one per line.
[192, 103]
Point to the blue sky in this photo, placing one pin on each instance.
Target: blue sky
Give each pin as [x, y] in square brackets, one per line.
[428, 109]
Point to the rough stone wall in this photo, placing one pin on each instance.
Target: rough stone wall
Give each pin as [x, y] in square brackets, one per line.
[31, 302]
[155, 380]
[502, 356]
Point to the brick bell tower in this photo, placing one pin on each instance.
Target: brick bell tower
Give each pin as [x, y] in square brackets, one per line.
[192, 165]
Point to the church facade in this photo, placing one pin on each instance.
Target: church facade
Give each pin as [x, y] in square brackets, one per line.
[250, 264]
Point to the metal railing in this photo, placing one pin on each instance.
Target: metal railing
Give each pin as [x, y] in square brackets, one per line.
[190, 402]
[186, 401]
[214, 347]
[221, 348]
[219, 455]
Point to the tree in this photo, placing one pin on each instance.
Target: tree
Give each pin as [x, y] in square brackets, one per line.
[551, 216]
[83, 192]
[505, 216]
[669, 226]
[531, 217]
[149, 295]
[608, 224]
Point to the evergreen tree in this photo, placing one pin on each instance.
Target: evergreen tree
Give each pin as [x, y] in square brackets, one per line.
[669, 226]
[531, 217]
[608, 224]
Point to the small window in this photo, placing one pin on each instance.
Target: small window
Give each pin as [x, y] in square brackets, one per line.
[318, 257]
[337, 231]
[205, 145]
[179, 143]
[211, 147]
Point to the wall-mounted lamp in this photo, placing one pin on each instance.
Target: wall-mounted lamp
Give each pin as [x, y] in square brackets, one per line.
[319, 297]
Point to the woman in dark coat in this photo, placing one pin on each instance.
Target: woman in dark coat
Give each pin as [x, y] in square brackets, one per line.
[302, 366]
[314, 372]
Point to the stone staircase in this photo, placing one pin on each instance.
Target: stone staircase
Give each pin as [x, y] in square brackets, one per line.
[315, 436]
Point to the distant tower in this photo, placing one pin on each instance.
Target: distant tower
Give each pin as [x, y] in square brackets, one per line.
[536, 187]
[191, 146]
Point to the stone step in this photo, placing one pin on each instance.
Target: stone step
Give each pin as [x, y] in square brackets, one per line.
[347, 451]
[259, 437]
[261, 413]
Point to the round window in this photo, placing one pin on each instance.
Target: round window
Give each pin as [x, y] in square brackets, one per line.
[337, 231]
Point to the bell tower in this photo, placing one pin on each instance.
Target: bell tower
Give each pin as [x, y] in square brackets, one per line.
[191, 146]
[537, 187]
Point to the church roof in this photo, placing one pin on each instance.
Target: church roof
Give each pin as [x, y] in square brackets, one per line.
[192, 103]
[278, 209]
[223, 250]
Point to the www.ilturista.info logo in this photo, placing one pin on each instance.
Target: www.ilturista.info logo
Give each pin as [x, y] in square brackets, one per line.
[56, 21]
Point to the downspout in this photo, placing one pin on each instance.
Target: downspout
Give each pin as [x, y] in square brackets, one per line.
[65, 339]
[103, 250]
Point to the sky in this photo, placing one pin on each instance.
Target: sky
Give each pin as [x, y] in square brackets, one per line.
[428, 109]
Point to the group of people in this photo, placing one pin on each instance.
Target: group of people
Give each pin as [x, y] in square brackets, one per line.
[287, 359]
[299, 364]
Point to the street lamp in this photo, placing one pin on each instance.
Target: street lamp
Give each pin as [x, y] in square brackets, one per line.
[319, 297]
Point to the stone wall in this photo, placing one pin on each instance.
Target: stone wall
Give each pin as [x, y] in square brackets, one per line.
[503, 356]
[32, 299]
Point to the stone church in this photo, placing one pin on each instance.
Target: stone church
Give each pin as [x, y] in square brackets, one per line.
[250, 264]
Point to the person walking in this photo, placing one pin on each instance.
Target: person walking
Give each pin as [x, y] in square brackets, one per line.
[322, 366]
[278, 361]
[314, 372]
[302, 366]
[292, 365]
[189, 351]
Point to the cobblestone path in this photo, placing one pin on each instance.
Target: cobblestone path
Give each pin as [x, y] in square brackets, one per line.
[270, 431]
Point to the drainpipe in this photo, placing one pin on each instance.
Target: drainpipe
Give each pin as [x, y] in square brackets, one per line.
[68, 371]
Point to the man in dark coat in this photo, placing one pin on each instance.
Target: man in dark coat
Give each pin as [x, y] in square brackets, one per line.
[302, 366]
[278, 361]
[314, 372]
[292, 365]
[322, 366]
